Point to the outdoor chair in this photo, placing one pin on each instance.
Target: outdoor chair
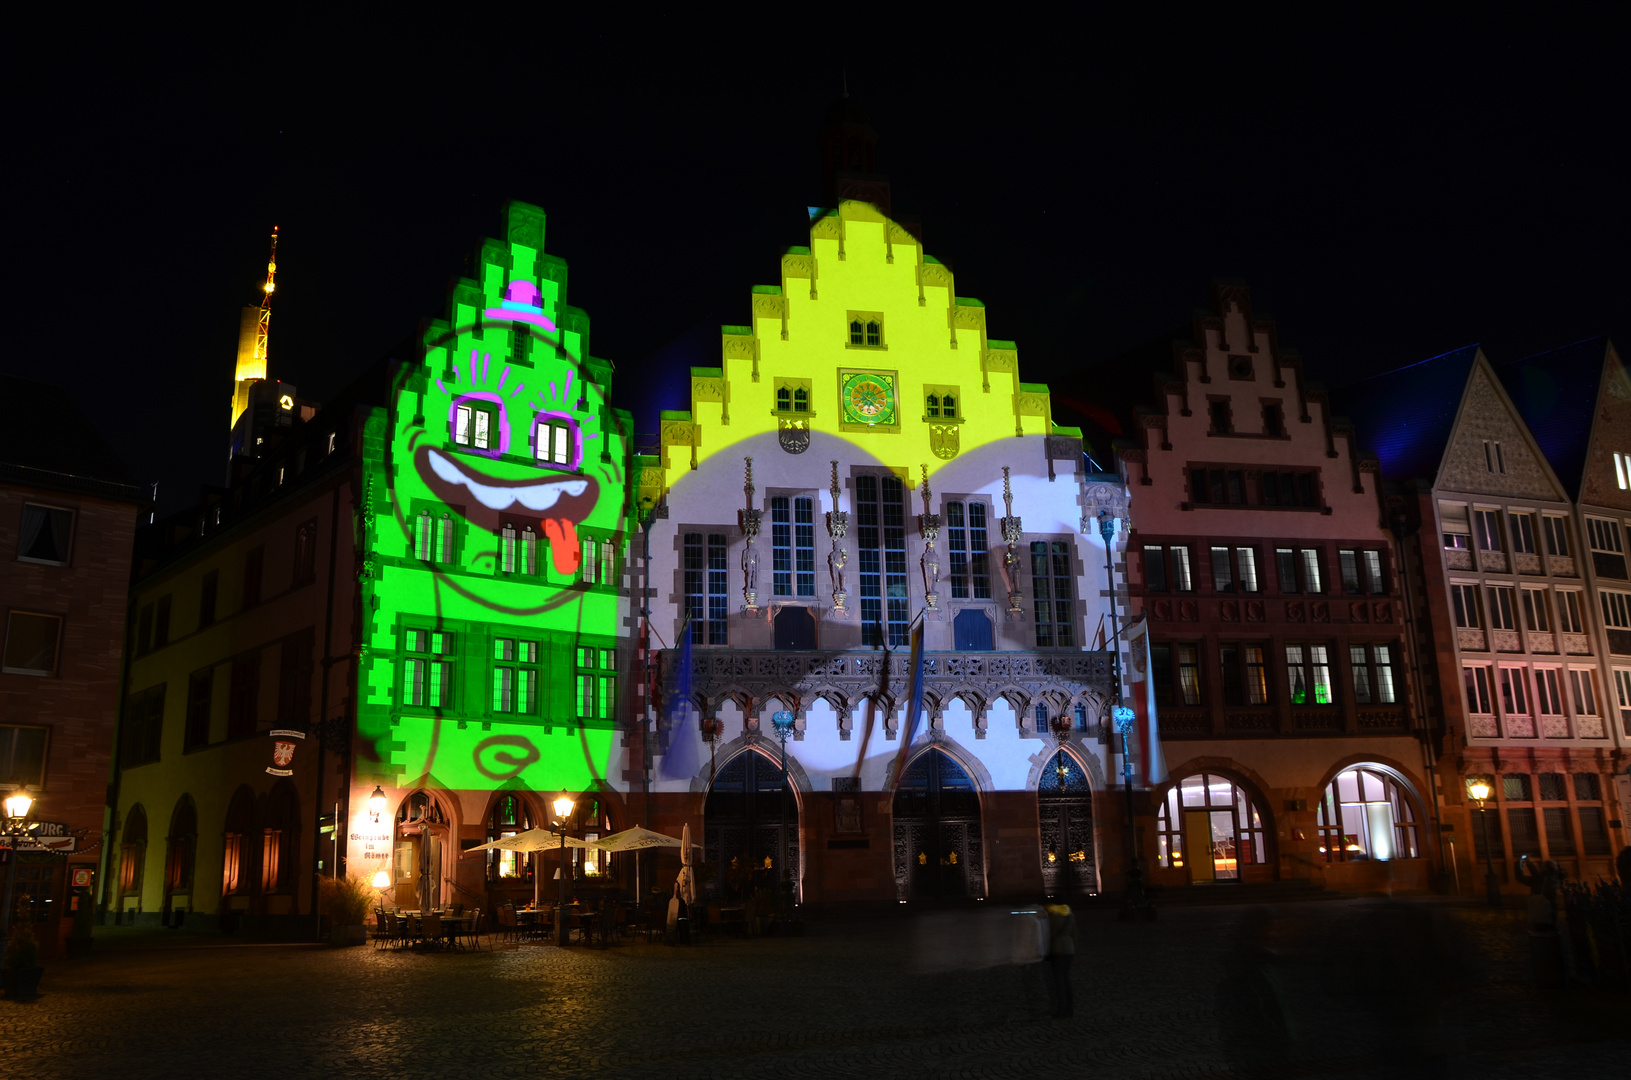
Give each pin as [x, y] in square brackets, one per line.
[508, 925]
[396, 930]
[473, 934]
[430, 930]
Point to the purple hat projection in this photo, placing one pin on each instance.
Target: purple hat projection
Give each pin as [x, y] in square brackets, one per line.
[521, 303]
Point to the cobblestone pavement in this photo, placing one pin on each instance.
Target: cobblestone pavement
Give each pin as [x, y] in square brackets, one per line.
[1352, 988]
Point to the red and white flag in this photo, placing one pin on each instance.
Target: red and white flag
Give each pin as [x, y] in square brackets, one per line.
[1149, 763]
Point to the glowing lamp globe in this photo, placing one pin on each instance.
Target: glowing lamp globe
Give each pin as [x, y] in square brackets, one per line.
[1478, 789]
[563, 807]
[18, 805]
[382, 880]
[376, 802]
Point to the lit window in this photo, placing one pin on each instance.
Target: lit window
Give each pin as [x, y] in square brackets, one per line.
[507, 543]
[1372, 674]
[792, 546]
[1548, 693]
[473, 427]
[1308, 667]
[1245, 678]
[428, 677]
[1622, 470]
[1479, 699]
[1050, 582]
[966, 541]
[1366, 814]
[552, 442]
[1211, 824]
[515, 675]
[1514, 698]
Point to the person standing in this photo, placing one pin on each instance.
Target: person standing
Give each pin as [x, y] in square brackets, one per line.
[1061, 948]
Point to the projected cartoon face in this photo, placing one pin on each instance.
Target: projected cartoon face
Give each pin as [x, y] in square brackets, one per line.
[503, 437]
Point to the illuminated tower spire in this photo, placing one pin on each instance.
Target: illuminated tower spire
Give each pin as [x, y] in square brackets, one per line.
[253, 329]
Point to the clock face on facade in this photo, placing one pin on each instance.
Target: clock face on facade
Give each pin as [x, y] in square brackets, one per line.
[868, 397]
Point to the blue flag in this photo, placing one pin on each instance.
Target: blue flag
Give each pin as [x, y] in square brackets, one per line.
[682, 758]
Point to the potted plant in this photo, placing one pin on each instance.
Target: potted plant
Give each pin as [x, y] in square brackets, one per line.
[23, 970]
[346, 900]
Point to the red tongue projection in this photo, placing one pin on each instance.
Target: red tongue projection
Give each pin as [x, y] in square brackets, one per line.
[563, 544]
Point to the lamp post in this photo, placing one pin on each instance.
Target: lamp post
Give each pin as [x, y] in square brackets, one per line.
[376, 803]
[783, 719]
[563, 813]
[1135, 905]
[1479, 790]
[18, 806]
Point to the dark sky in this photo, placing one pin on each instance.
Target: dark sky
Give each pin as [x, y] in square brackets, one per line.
[1390, 189]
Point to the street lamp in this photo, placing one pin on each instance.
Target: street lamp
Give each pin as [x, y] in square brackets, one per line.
[376, 803]
[1135, 905]
[1479, 790]
[18, 806]
[783, 719]
[563, 813]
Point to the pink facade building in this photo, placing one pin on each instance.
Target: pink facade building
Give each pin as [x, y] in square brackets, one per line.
[1261, 557]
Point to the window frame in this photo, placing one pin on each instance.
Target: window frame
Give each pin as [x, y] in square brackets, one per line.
[865, 330]
[6, 665]
[68, 543]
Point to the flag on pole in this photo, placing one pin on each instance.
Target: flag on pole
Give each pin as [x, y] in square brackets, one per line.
[682, 758]
[1150, 762]
[914, 697]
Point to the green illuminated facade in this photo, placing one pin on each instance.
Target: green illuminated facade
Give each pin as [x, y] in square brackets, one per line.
[493, 522]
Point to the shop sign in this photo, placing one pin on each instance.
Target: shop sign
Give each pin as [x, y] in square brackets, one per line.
[47, 836]
[283, 747]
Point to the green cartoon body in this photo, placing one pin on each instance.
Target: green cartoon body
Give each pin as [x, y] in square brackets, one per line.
[494, 518]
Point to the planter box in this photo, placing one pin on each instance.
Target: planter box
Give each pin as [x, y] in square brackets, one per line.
[22, 983]
[348, 935]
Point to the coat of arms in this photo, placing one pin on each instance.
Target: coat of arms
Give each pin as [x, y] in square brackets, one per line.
[282, 754]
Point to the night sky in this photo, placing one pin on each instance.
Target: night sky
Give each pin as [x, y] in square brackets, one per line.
[1390, 190]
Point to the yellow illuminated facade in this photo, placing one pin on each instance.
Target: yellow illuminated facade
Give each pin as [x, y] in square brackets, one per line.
[870, 329]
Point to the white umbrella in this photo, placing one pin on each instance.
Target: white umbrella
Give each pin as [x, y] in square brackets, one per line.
[635, 839]
[533, 840]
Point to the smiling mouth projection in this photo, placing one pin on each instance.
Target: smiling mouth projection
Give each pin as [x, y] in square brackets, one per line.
[560, 502]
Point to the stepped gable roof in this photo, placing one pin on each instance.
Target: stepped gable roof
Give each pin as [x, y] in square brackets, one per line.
[1404, 416]
[45, 439]
[1556, 394]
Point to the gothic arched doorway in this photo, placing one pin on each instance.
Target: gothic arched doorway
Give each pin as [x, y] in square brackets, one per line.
[938, 848]
[1065, 812]
[741, 826]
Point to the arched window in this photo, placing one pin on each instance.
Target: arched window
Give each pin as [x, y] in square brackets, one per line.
[874, 333]
[238, 862]
[801, 399]
[179, 848]
[133, 851]
[444, 539]
[948, 407]
[510, 817]
[932, 405]
[784, 399]
[279, 847]
[529, 551]
[506, 548]
[857, 333]
[421, 536]
[1210, 824]
[1366, 814]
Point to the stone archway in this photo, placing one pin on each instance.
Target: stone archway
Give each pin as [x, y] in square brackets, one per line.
[938, 843]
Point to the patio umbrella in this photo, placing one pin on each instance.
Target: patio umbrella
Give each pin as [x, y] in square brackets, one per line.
[636, 839]
[533, 840]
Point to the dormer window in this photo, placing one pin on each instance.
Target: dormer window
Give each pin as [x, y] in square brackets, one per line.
[1274, 420]
[793, 396]
[1219, 413]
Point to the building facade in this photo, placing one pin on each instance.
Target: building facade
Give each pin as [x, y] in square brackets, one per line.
[1515, 569]
[237, 687]
[494, 631]
[68, 511]
[865, 456]
[1260, 557]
